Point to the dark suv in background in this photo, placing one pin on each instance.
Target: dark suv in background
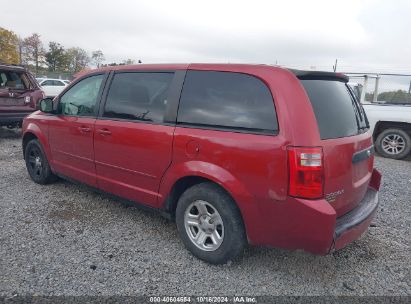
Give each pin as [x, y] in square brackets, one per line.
[19, 94]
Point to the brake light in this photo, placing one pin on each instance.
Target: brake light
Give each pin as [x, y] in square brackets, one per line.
[305, 165]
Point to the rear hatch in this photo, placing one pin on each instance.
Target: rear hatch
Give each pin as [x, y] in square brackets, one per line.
[16, 88]
[347, 146]
[12, 97]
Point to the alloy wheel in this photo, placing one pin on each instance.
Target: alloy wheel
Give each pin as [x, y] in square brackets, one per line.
[35, 162]
[204, 225]
[393, 144]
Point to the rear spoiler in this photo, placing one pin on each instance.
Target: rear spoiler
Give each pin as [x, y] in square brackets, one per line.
[319, 75]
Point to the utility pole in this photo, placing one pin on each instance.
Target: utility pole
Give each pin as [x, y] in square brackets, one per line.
[409, 89]
[364, 89]
[335, 65]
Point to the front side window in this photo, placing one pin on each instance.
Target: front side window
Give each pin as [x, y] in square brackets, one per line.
[81, 99]
[140, 96]
[228, 101]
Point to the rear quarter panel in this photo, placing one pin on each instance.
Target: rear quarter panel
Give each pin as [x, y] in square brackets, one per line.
[252, 168]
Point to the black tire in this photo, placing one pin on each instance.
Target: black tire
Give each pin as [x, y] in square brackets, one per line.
[37, 164]
[404, 137]
[234, 236]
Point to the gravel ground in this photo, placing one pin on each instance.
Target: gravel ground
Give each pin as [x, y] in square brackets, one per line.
[63, 239]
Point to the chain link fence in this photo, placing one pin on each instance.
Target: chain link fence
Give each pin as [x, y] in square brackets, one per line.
[382, 88]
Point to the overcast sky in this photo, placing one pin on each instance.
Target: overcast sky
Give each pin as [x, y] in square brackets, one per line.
[365, 35]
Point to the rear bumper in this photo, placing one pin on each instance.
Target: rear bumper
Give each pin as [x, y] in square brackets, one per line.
[353, 224]
[13, 117]
[313, 226]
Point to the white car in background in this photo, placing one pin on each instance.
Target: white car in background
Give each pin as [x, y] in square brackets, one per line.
[52, 87]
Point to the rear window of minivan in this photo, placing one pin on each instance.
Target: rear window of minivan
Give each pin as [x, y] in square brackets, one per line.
[337, 113]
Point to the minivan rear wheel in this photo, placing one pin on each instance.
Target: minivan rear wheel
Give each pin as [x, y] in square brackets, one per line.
[210, 224]
[37, 164]
[393, 143]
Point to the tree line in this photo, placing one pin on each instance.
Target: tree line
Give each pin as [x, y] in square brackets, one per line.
[397, 97]
[30, 52]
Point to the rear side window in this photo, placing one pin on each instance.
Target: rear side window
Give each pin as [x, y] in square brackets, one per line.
[228, 101]
[335, 109]
[138, 96]
[48, 83]
[58, 83]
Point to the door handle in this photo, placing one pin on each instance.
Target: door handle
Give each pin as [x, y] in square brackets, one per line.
[104, 132]
[84, 129]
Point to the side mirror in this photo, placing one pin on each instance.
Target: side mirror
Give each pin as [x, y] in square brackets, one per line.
[46, 105]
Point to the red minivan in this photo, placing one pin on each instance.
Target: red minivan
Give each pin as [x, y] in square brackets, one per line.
[235, 154]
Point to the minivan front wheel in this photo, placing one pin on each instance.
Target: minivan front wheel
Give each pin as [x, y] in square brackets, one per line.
[210, 224]
[393, 143]
[37, 164]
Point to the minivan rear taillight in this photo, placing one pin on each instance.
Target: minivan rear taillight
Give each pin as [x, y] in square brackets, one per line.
[305, 165]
